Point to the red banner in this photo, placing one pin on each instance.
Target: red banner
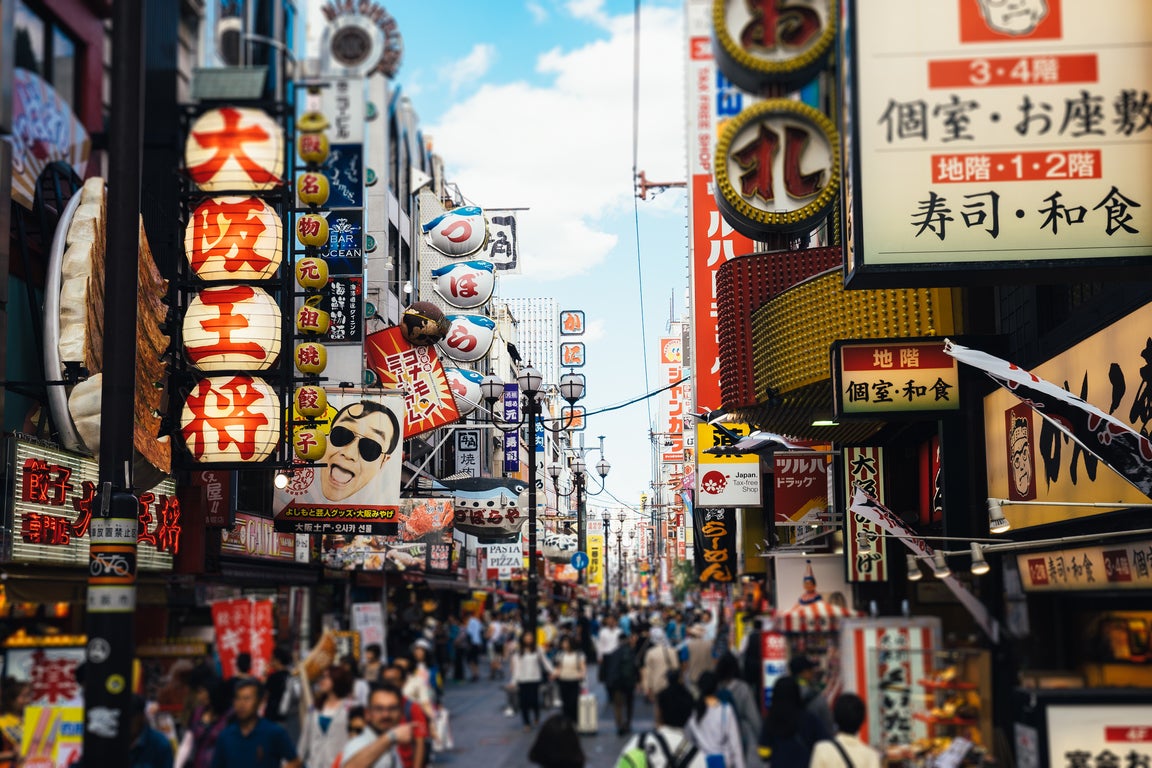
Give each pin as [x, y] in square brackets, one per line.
[232, 620]
[260, 637]
[428, 400]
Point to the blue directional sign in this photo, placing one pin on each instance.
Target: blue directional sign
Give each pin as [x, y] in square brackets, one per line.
[580, 561]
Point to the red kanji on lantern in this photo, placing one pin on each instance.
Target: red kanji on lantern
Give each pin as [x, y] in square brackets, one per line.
[229, 230]
[228, 143]
[308, 317]
[83, 505]
[308, 226]
[308, 271]
[308, 398]
[304, 441]
[45, 483]
[307, 355]
[225, 299]
[230, 403]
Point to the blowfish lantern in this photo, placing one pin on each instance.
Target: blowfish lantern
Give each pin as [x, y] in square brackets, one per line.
[459, 232]
[465, 284]
[469, 337]
[465, 386]
[423, 324]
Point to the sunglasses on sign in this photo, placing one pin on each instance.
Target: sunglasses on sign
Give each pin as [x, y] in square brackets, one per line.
[370, 450]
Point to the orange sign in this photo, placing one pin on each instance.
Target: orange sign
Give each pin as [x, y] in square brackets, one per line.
[428, 401]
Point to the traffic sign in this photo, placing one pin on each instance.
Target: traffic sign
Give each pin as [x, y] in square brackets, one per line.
[580, 561]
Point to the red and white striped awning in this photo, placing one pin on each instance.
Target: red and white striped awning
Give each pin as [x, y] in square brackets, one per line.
[821, 616]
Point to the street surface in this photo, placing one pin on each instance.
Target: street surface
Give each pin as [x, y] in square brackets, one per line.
[484, 736]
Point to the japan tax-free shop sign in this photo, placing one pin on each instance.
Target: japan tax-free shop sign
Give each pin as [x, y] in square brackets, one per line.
[984, 137]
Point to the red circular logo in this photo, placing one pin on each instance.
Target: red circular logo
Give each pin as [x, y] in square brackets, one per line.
[714, 481]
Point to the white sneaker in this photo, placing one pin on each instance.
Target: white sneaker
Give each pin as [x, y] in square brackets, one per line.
[509, 712]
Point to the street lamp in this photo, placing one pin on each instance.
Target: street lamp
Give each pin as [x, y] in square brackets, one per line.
[632, 546]
[577, 467]
[531, 383]
[606, 518]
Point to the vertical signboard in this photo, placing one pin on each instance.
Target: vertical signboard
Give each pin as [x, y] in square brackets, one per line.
[712, 98]
[512, 439]
[672, 405]
[715, 550]
[468, 452]
[864, 468]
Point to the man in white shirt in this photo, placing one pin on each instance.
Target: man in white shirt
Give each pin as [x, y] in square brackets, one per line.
[845, 748]
[376, 747]
[609, 638]
[667, 746]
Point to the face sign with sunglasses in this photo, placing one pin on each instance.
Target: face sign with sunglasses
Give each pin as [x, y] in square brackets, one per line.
[361, 440]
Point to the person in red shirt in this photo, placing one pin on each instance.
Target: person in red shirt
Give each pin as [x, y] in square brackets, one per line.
[415, 754]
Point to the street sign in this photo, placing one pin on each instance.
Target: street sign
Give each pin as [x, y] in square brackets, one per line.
[580, 561]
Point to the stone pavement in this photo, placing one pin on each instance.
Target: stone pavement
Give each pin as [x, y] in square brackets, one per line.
[485, 737]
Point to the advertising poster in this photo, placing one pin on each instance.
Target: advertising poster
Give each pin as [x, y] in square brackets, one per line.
[355, 488]
[421, 523]
[368, 620]
[52, 737]
[417, 371]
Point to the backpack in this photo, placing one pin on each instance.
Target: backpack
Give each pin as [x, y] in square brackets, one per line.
[637, 757]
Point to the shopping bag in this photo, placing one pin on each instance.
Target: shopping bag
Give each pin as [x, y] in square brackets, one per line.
[442, 742]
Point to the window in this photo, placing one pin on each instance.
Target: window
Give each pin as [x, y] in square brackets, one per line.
[46, 49]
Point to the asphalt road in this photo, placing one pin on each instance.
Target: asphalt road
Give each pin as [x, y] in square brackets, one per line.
[484, 736]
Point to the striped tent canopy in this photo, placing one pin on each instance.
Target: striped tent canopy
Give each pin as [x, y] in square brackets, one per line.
[821, 616]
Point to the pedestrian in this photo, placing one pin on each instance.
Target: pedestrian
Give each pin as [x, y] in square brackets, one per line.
[570, 672]
[751, 657]
[557, 745]
[659, 667]
[790, 730]
[373, 663]
[360, 686]
[250, 741]
[807, 674]
[414, 752]
[715, 727]
[845, 748]
[697, 656]
[209, 719]
[356, 721]
[457, 648]
[529, 668]
[667, 745]
[148, 747]
[278, 685]
[377, 746]
[324, 729]
[475, 631]
[739, 694]
[621, 675]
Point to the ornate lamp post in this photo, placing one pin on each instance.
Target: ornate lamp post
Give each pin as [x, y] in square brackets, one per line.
[632, 546]
[578, 469]
[531, 383]
[606, 518]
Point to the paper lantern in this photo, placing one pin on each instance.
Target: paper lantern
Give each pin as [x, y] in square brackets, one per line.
[423, 324]
[312, 188]
[310, 401]
[231, 419]
[311, 122]
[312, 229]
[309, 443]
[311, 358]
[235, 148]
[491, 509]
[469, 337]
[558, 547]
[465, 284]
[310, 318]
[458, 232]
[313, 148]
[232, 328]
[312, 272]
[234, 238]
[465, 386]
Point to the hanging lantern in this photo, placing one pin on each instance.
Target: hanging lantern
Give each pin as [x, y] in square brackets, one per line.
[229, 419]
[310, 401]
[465, 284]
[313, 148]
[558, 547]
[311, 122]
[232, 327]
[469, 337]
[423, 324]
[311, 358]
[312, 188]
[312, 229]
[309, 443]
[458, 232]
[310, 318]
[491, 509]
[234, 238]
[312, 272]
[235, 148]
[465, 386]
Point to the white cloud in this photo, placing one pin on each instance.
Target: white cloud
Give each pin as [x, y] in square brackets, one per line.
[565, 149]
[469, 69]
[538, 12]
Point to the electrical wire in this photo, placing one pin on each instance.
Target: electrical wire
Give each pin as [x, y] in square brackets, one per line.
[635, 199]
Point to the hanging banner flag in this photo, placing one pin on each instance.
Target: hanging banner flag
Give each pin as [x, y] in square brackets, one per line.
[428, 401]
[232, 623]
[260, 638]
[864, 467]
[873, 511]
[1112, 441]
[715, 546]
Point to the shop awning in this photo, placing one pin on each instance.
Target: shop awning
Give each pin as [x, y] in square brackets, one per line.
[815, 617]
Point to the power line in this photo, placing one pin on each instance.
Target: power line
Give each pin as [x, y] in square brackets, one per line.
[635, 200]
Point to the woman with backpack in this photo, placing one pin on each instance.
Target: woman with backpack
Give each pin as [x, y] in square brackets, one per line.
[790, 730]
[715, 727]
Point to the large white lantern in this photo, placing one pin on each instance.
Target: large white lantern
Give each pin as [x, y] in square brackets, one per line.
[558, 547]
[489, 508]
[234, 238]
[459, 232]
[469, 337]
[235, 148]
[231, 419]
[465, 284]
[232, 328]
[465, 386]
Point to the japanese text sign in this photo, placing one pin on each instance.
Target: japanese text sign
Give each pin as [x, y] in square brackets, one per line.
[891, 378]
[1098, 735]
[799, 488]
[572, 354]
[865, 467]
[571, 322]
[53, 496]
[672, 401]
[995, 135]
[511, 402]
[715, 545]
[428, 401]
[729, 480]
[1115, 566]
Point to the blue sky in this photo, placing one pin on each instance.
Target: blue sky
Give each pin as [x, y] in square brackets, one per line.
[530, 104]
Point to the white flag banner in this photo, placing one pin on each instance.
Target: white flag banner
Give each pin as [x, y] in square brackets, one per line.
[1115, 443]
[873, 511]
